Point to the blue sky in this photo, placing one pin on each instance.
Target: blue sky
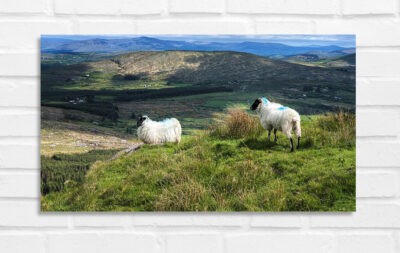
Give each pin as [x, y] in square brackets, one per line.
[292, 40]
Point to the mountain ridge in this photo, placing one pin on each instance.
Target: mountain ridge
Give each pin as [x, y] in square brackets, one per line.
[145, 43]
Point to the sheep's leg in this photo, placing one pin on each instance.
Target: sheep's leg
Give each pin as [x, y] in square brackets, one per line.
[297, 131]
[291, 145]
[287, 131]
[275, 139]
[269, 135]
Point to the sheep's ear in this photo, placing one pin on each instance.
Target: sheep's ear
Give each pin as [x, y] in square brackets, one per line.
[139, 116]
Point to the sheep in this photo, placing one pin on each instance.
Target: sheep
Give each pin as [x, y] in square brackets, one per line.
[278, 117]
[153, 132]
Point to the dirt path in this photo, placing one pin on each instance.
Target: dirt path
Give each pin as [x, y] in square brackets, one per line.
[128, 150]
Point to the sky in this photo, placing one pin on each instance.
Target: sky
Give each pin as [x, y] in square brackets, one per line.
[343, 40]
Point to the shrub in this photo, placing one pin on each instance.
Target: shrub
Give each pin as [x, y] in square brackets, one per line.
[235, 124]
[61, 168]
[132, 77]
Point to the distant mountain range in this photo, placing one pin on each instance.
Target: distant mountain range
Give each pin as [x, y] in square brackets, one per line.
[124, 45]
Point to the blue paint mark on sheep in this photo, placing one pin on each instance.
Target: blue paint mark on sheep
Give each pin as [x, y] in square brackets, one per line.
[265, 100]
[167, 122]
[282, 108]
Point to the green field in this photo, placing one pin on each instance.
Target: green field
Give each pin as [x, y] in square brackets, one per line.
[223, 169]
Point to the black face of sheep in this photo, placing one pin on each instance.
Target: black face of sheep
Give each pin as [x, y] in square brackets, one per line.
[254, 106]
[141, 120]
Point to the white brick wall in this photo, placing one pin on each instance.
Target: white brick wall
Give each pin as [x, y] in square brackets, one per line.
[373, 228]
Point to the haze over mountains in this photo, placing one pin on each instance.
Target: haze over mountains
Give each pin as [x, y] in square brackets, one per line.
[123, 45]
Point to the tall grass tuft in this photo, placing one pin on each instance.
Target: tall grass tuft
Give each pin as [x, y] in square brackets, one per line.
[235, 124]
[341, 127]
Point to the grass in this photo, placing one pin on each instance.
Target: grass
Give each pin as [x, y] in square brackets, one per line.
[235, 124]
[230, 167]
[59, 169]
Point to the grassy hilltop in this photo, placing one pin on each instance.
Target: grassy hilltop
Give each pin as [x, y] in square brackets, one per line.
[230, 167]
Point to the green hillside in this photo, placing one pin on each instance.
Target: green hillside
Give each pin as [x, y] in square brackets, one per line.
[344, 61]
[230, 167]
[233, 69]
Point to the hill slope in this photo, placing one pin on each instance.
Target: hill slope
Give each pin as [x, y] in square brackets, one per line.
[231, 168]
[344, 61]
[227, 68]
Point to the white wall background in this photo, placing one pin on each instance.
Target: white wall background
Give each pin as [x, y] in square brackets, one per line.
[375, 227]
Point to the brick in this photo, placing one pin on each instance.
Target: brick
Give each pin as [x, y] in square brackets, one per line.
[378, 63]
[105, 27]
[102, 242]
[369, 123]
[22, 6]
[188, 26]
[26, 33]
[365, 243]
[21, 243]
[370, 32]
[27, 214]
[19, 64]
[20, 185]
[378, 92]
[19, 124]
[283, 26]
[276, 220]
[318, 7]
[200, 6]
[368, 7]
[221, 220]
[19, 93]
[278, 243]
[368, 215]
[143, 7]
[193, 243]
[377, 184]
[187, 220]
[106, 7]
[101, 220]
[161, 220]
[378, 154]
[87, 7]
[10, 156]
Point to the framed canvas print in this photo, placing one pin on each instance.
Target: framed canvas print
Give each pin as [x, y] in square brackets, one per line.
[198, 123]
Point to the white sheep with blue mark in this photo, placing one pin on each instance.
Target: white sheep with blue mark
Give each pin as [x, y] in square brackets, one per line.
[278, 117]
[154, 132]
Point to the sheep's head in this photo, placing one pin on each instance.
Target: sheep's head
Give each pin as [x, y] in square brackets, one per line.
[141, 120]
[258, 102]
